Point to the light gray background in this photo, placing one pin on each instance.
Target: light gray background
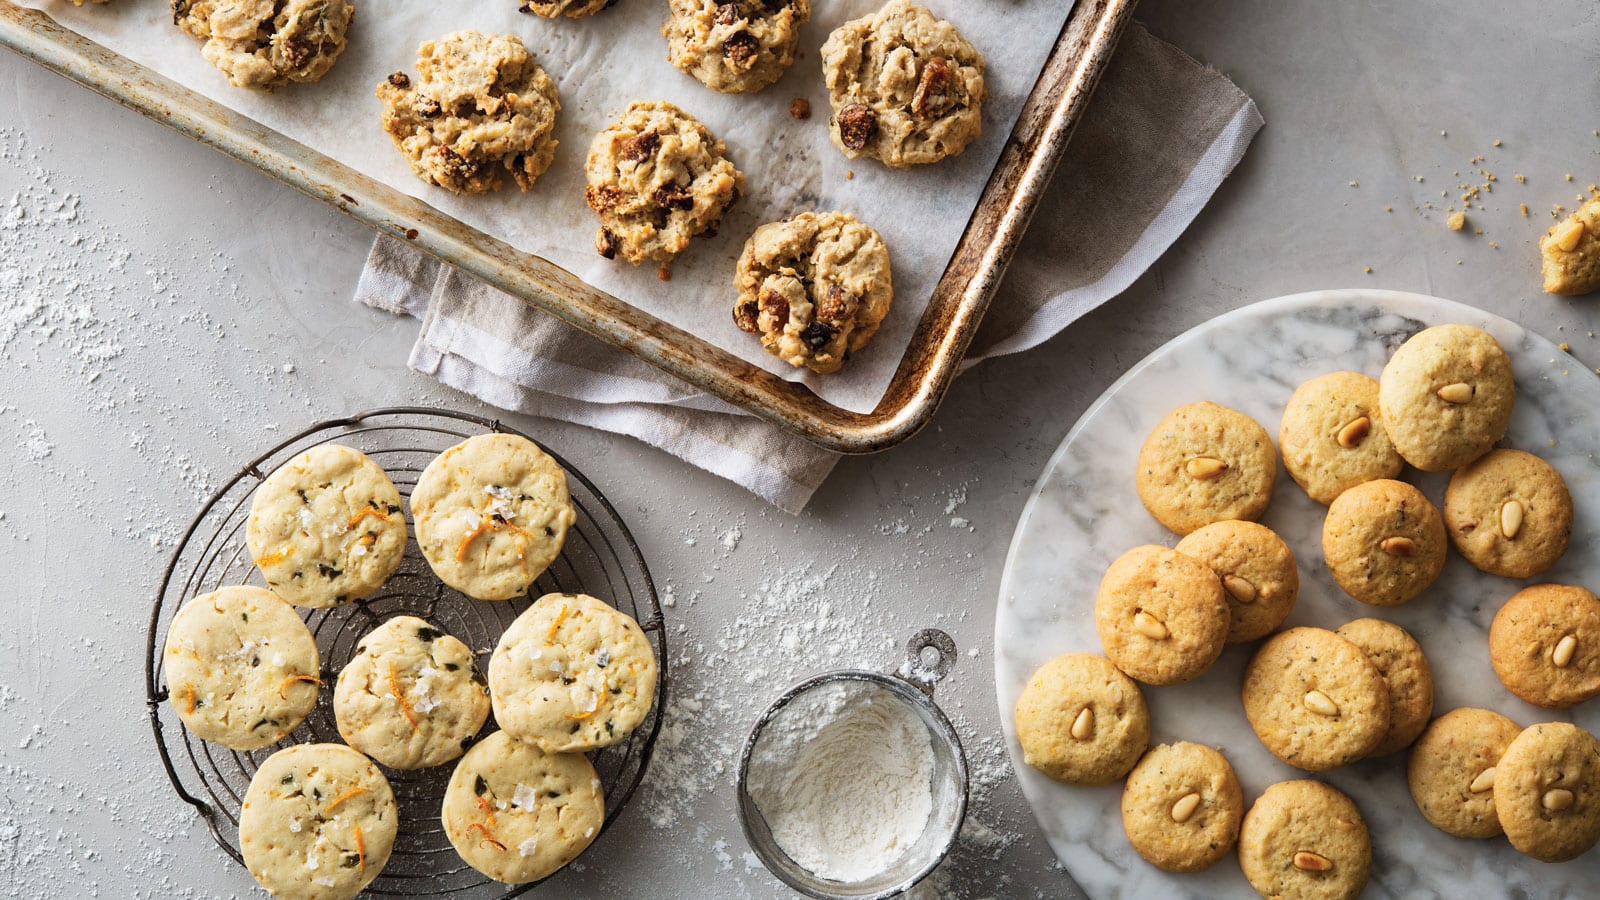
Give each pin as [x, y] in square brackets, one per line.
[152, 293]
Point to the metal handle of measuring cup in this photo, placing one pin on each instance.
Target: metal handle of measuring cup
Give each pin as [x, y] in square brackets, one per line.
[930, 655]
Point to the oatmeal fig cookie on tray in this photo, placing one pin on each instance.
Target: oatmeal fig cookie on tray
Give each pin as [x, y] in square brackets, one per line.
[735, 47]
[263, 44]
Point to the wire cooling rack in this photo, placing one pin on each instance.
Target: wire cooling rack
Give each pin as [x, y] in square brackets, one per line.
[600, 558]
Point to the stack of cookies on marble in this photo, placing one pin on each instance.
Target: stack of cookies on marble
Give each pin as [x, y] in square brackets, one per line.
[1320, 699]
[571, 674]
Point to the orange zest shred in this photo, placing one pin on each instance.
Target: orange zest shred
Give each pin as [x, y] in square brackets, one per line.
[400, 698]
[497, 845]
[560, 617]
[600, 701]
[369, 511]
[292, 679]
[190, 695]
[278, 557]
[488, 809]
[361, 849]
[342, 798]
[489, 523]
[487, 837]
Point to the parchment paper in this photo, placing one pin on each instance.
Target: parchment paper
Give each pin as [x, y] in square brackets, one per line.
[603, 63]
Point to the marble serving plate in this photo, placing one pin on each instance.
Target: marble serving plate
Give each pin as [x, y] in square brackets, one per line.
[1085, 512]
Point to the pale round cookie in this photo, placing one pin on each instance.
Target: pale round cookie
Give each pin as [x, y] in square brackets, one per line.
[479, 107]
[1315, 699]
[1081, 721]
[1571, 252]
[1509, 513]
[1545, 645]
[1162, 616]
[1182, 806]
[734, 46]
[1547, 791]
[318, 823]
[815, 287]
[657, 178]
[1258, 574]
[1406, 674]
[240, 667]
[516, 813]
[1446, 396]
[1206, 463]
[411, 695]
[572, 673]
[1384, 542]
[492, 513]
[572, 9]
[1451, 770]
[906, 88]
[326, 528]
[1332, 436]
[1305, 839]
[263, 44]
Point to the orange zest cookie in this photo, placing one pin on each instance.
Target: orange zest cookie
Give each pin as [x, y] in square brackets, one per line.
[334, 804]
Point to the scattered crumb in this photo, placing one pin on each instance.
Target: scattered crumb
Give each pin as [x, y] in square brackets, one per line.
[1564, 347]
[1496, 143]
[1456, 222]
[1521, 178]
[665, 272]
[1367, 270]
[1524, 210]
[849, 174]
[800, 108]
[1358, 184]
[1388, 209]
[1569, 176]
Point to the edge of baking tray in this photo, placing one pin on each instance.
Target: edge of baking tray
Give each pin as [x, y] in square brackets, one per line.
[937, 347]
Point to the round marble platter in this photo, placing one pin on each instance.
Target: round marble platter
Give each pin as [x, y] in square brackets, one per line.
[1085, 512]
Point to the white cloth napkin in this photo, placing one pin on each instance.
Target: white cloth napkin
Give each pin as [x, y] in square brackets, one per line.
[1161, 134]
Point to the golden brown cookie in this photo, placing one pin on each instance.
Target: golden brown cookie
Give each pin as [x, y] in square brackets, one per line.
[1332, 437]
[1509, 513]
[734, 46]
[1315, 699]
[1451, 770]
[1383, 542]
[1081, 721]
[1547, 791]
[1446, 396]
[1405, 672]
[1182, 806]
[1162, 616]
[1545, 645]
[1258, 573]
[1571, 251]
[1206, 463]
[1305, 839]
[263, 44]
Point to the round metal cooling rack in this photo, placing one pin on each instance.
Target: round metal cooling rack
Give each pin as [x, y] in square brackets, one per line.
[599, 558]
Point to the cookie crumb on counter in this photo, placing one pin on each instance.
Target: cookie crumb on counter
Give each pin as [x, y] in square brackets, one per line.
[1564, 347]
[800, 108]
[1367, 269]
[1456, 222]
[1524, 210]
[849, 174]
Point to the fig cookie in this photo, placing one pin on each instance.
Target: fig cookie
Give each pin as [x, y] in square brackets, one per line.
[479, 107]
[1162, 616]
[572, 673]
[1081, 721]
[1547, 791]
[657, 178]
[1182, 806]
[326, 527]
[263, 44]
[1451, 770]
[1544, 644]
[1315, 699]
[1446, 396]
[1305, 839]
[492, 514]
[1333, 438]
[240, 667]
[1571, 251]
[1258, 574]
[1509, 513]
[1406, 673]
[737, 46]
[815, 287]
[906, 89]
[1383, 542]
[572, 9]
[411, 695]
[1206, 463]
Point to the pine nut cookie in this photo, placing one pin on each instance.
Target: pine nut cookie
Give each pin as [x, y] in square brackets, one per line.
[1451, 770]
[815, 287]
[1258, 573]
[1182, 806]
[479, 107]
[734, 46]
[572, 9]
[318, 823]
[572, 673]
[1547, 791]
[906, 89]
[516, 813]
[492, 513]
[1305, 839]
[1406, 673]
[1315, 699]
[411, 695]
[1162, 616]
[240, 667]
[1206, 463]
[1545, 645]
[1333, 438]
[1446, 396]
[657, 178]
[263, 44]
[1571, 252]
[1509, 513]
[1081, 721]
[326, 528]
[1384, 542]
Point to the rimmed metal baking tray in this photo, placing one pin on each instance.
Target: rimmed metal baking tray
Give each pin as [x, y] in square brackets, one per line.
[993, 232]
